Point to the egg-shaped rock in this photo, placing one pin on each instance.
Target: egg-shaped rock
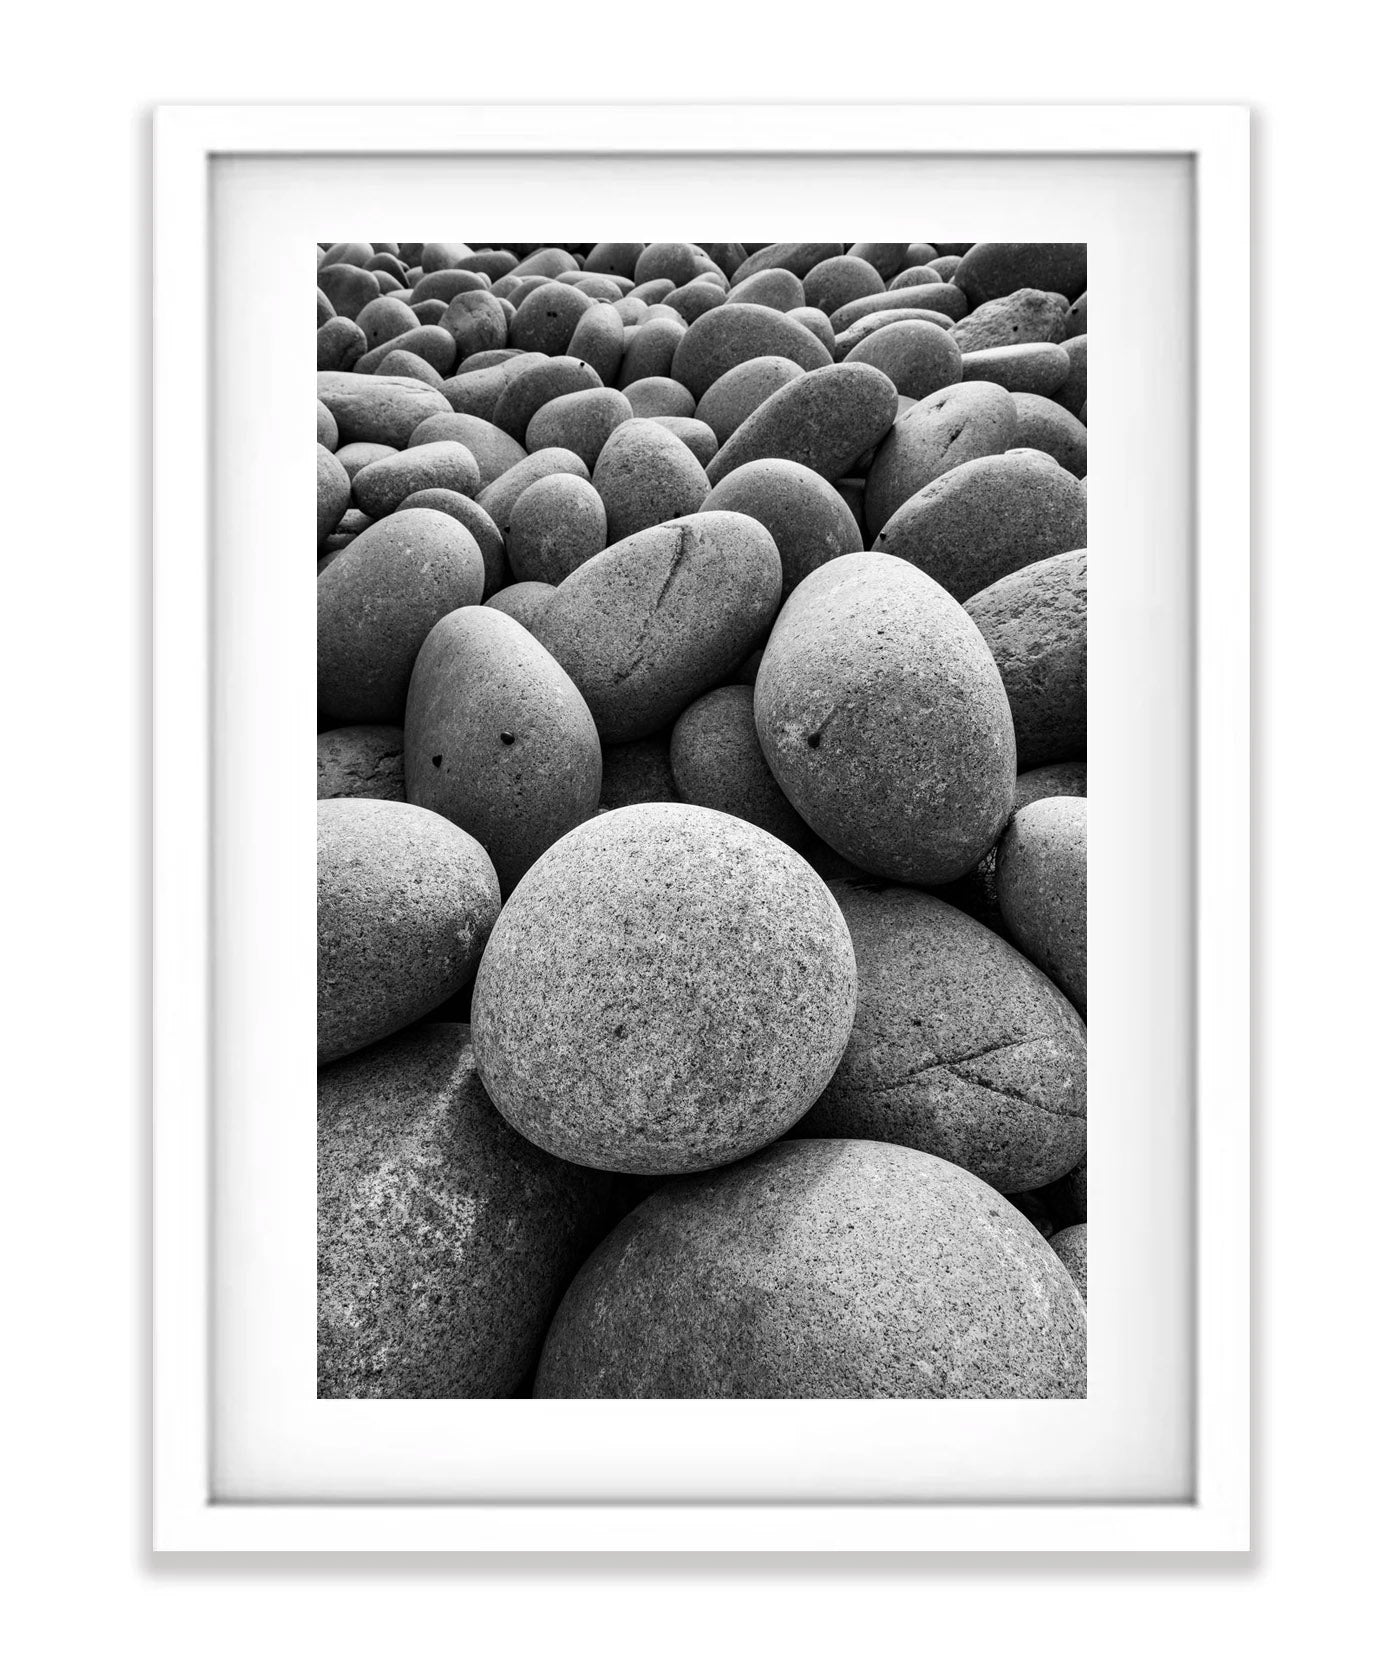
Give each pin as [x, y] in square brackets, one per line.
[961, 1047]
[645, 476]
[1042, 890]
[826, 420]
[806, 516]
[987, 518]
[735, 395]
[668, 989]
[405, 900]
[444, 1239]
[883, 718]
[332, 492]
[737, 332]
[716, 760]
[917, 356]
[557, 523]
[381, 486]
[821, 1269]
[498, 740]
[376, 602]
[655, 620]
[1072, 1245]
[373, 410]
[960, 423]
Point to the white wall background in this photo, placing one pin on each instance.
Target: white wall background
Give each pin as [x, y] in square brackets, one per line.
[85, 1596]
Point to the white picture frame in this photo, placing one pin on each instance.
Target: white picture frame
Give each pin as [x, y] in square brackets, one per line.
[194, 912]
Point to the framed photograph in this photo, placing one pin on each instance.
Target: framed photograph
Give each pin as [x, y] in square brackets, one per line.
[641, 1100]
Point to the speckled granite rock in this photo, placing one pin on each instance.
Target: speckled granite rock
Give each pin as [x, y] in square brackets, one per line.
[645, 476]
[1073, 394]
[845, 343]
[381, 486]
[638, 773]
[1036, 622]
[332, 492]
[836, 281]
[738, 332]
[598, 339]
[655, 620]
[339, 345]
[361, 761]
[886, 260]
[1043, 423]
[371, 410]
[961, 423]
[694, 434]
[716, 761]
[612, 257]
[735, 395]
[444, 1239]
[987, 518]
[1072, 1246]
[667, 990]
[1042, 889]
[524, 602]
[355, 457]
[476, 521]
[1025, 317]
[649, 351]
[476, 322]
[493, 450]
[498, 740]
[383, 318]
[994, 271]
[946, 301]
[917, 356]
[404, 903]
[821, 1269]
[774, 288]
[499, 498]
[581, 422]
[327, 432]
[348, 286]
[960, 1047]
[651, 399]
[434, 345]
[1039, 368]
[796, 257]
[806, 516]
[826, 420]
[557, 523]
[523, 394]
[547, 319]
[377, 601]
[882, 717]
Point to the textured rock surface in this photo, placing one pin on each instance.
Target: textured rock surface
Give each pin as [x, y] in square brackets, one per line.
[499, 499]
[370, 410]
[735, 395]
[1025, 317]
[821, 1269]
[947, 301]
[1039, 368]
[918, 357]
[1072, 1246]
[655, 620]
[493, 450]
[667, 990]
[795, 256]
[404, 903]
[993, 271]
[381, 486]
[476, 521]
[1042, 890]
[840, 280]
[332, 492]
[964, 422]
[645, 476]
[444, 1239]
[376, 602]
[961, 1047]
[806, 516]
[1044, 423]
[826, 420]
[498, 740]
[361, 761]
[987, 518]
[582, 421]
[555, 525]
[717, 761]
[524, 602]
[738, 332]
[1036, 622]
[882, 717]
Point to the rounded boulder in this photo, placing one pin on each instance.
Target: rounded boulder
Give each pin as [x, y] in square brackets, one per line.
[1042, 890]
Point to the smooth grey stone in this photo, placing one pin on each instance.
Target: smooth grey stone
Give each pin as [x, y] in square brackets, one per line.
[405, 901]
[524, 602]
[360, 761]
[377, 602]
[797, 258]
[598, 340]
[613, 258]
[856, 334]
[991, 271]
[327, 432]
[629, 1015]
[1041, 368]
[882, 717]
[649, 350]
[837, 281]
[380, 487]
[498, 740]
[826, 420]
[332, 492]
[1074, 393]
[477, 322]
[677, 262]
[738, 332]
[339, 345]
[478, 523]
[806, 516]
[444, 1239]
[546, 320]
[654, 621]
[735, 395]
[963, 422]
[818, 325]
[886, 260]
[435, 345]
[582, 421]
[918, 357]
[961, 1047]
[372, 410]
[716, 760]
[557, 523]
[403, 364]
[655, 397]
[1042, 890]
[1036, 622]
[646, 476]
[986, 518]
[698, 296]
[355, 457]
[821, 1269]
[947, 301]
[694, 434]
[1042, 423]
[383, 318]
[493, 450]
[499, 497]
[775, 288]
[348, 286]
[527, 391]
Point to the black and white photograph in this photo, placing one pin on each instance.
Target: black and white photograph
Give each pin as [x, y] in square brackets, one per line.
[702, 819]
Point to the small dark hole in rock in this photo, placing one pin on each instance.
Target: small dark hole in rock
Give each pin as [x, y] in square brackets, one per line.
[619, 1032]
[507, 738]
[437, 761]
[815, 738]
